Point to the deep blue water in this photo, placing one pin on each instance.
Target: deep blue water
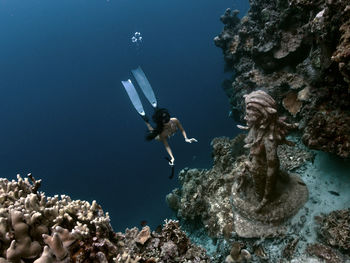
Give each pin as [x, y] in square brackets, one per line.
[66, 118]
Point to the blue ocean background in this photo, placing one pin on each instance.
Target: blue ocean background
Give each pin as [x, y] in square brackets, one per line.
[66, 118]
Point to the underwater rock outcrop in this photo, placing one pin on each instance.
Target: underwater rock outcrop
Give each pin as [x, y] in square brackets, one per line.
[40, 229]
[297, 51]
[204, 202]
[205, 195]
[325, 253]
[205, 207]
[334, 229]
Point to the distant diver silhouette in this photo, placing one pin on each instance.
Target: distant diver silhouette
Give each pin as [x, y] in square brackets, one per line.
[165, 125]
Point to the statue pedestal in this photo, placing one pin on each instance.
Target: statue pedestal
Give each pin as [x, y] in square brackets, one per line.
[289, 196]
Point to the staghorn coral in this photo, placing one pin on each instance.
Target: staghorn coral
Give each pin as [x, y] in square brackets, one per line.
[298, 51]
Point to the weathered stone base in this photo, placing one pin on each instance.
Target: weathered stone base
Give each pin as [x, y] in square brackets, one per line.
[289, 197]
[253, 229]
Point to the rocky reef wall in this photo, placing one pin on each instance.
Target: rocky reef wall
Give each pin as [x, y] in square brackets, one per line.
[299, 52]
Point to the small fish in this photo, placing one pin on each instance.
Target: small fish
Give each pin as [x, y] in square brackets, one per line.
[242, 127]
[334, 193]
[143, 223]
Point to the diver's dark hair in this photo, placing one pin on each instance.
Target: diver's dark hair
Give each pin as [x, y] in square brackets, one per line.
[160, 117]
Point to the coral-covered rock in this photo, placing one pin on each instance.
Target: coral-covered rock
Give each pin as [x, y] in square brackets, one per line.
[342, 53]
[205, 195]
[325, 253]
[297, 51]
[329, 130]
[225, 151]
[334, 229]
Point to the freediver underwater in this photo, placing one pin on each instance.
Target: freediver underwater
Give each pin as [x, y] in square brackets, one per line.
[166, 126]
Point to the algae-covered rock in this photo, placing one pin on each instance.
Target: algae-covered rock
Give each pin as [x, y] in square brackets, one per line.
[278, 42]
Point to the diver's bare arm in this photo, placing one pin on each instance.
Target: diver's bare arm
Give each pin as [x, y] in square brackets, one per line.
[150, 128]
[178, 123]
[168, 149]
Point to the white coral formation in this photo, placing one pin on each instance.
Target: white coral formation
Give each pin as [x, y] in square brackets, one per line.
[27, 217]
[39, 208]
[22, 246]
[39, 229]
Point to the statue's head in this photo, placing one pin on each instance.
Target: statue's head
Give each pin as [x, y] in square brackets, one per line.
[260, 109]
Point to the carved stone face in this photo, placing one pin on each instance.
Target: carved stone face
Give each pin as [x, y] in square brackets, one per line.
[251, 117]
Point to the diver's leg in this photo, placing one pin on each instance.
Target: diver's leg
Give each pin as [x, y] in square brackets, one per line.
[145, 85]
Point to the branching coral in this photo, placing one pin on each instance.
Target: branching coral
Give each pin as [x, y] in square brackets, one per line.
[41, 229]
[22, 247]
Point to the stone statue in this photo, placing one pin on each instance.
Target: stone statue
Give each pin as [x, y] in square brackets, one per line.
[263, 195]
[266, 132]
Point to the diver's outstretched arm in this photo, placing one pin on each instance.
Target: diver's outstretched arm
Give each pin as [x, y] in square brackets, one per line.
[178, 123]
[168, 149]
[150, 128]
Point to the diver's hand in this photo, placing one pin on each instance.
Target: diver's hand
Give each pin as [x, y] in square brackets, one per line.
[171, 162]
[191, 140]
